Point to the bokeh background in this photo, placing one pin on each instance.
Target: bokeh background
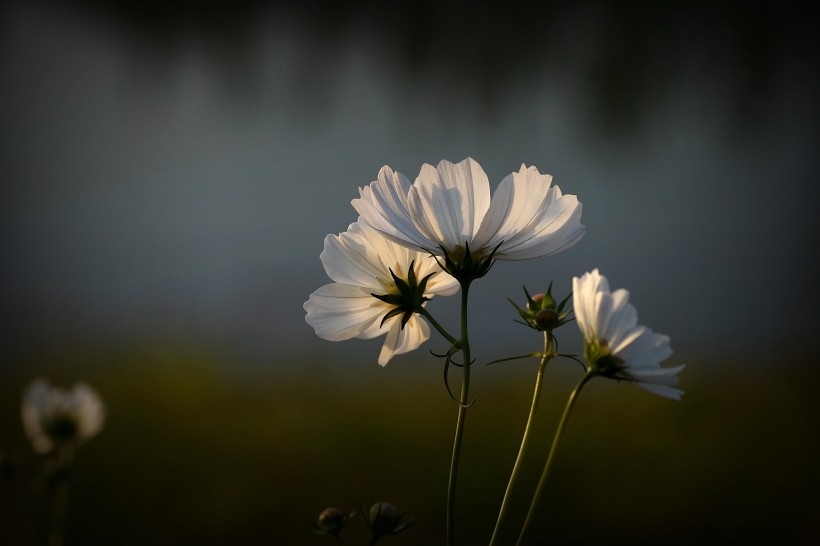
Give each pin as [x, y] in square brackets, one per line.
[169, 171]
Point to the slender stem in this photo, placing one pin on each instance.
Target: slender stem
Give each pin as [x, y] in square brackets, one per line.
[426, 314]
[462, 417]
[63, 462]
[545, 357]
[559, 431]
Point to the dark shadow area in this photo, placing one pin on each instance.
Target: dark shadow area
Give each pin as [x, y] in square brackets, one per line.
[194, 454]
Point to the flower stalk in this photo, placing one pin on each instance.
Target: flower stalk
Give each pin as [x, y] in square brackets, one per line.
[553, 449]
[60, 485]
[434, 323]
[525, 440]
[462, 416]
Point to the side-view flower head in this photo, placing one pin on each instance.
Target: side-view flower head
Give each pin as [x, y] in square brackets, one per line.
[448, 212]
[377, 287]
[615, 345]
[56, 417]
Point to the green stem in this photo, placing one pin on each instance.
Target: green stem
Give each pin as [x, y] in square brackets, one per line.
[64, 460]
[462, 417]
[426, 314]
[545, 357]
[559, 431]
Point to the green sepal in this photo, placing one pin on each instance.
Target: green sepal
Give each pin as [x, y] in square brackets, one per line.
[410, 297]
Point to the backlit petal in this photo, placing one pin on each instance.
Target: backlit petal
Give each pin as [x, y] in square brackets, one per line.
[399, 341]
[342, 311]
[448, 202]
[383, 205]
[529, 218]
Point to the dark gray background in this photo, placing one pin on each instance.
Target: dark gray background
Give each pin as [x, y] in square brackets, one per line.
[169, 170]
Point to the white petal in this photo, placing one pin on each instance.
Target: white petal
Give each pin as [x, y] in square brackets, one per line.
[530, 217]
[657, 374]
[347, 260]
[448, 202]
[601, 312]
[644, 349]
[622, 320]
[399, 341]
[441, 283]
[35, 403]
[558, 228]
[662, 390]
[515, 203]
[90, 411]
[586, 301]
[341, 311]
[383, 205]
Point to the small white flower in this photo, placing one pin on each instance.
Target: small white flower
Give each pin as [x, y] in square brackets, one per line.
[448, 209]
[55, 417]
[363, 264]
[615, 345]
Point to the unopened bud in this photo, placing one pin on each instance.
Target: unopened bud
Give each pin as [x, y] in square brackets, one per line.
[536, 299]
[547, 319]
[384, 517]
[542, 312]
[331, 521]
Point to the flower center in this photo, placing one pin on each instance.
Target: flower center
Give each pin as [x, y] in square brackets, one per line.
[602, 361]
[466, 265]
[61, 428]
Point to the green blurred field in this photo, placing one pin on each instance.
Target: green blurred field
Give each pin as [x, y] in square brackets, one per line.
[202, 451]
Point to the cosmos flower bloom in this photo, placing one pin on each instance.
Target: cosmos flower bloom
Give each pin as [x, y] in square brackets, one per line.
[448, 212]
[378, 286]
[615, 345]
[55, 417]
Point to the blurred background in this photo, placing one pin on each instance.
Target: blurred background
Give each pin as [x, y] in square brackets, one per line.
[169, 171]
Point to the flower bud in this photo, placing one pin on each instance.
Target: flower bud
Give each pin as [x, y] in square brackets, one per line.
[539, 301]
[333, 518]
[384, 519]
[546, 319]
[331, 521]
[542, 312]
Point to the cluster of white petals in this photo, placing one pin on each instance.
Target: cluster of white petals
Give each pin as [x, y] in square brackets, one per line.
[448, 209]
[611, 330]
[360, 262]
[59, 417]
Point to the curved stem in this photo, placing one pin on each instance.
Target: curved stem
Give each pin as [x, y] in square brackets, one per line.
[426, 314]
[559, 431]
[462, 417]
[545, 357]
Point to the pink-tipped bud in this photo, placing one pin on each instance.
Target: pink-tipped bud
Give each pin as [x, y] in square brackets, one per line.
[537, 299]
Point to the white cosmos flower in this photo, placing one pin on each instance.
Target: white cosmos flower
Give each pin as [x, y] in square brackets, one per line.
[448, 208]
[360, 262]
[55, 417]
[615, 343]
